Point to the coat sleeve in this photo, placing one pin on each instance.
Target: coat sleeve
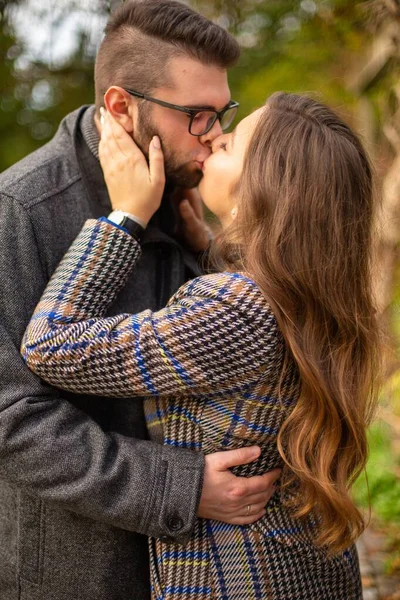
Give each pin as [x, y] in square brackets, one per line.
[206, 340]
[57, 453]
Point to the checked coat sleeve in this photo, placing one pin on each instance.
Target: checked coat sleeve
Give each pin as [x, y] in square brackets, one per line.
[207, 337]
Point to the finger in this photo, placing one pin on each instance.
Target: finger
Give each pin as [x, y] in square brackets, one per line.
[197, 234]
[156, 162]
[272, 476]
[233, 458]
[245, 487]
[244, 511]
[104, 134]
[106, 159]
[240, 507]
[244, 520]
[194, 199]
[191, 221]
[102, 118]
[107, 140]
[105, 155]
[261, 498]
[252, 509]
[119, 139]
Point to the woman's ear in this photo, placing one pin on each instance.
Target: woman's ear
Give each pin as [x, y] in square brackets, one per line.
[121, 106]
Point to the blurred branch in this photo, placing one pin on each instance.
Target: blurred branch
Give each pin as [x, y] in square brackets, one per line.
[380, 11]
[385, 47]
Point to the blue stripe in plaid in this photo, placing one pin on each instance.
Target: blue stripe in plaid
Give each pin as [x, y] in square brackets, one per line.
[182, 444]
[80, 264]
[217, 560]
[136, 327]
[218, 526]
[267, 400]
[186, 589]
[181, 311]
[53, 315]
[242, 277]
[241, 420]
[181, 410]
[252, 564]
[178, 367]
[276, 532]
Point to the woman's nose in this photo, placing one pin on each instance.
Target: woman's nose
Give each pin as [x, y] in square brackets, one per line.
[208, 138]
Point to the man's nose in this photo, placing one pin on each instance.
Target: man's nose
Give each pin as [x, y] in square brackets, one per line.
[215, 131]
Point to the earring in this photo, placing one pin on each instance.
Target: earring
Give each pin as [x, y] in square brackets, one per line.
[233, 212]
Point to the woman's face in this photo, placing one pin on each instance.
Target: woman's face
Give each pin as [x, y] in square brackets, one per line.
[223, 168]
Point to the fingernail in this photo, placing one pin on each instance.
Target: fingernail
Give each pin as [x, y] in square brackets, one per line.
[156, 142]
[101, 115]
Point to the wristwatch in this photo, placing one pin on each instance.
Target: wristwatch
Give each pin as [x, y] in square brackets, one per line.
[128, 222]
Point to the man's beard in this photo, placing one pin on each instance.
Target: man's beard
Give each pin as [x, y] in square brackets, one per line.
[176, 173]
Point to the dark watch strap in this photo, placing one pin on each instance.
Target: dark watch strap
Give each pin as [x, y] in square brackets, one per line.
[123, 220]
[133, 228]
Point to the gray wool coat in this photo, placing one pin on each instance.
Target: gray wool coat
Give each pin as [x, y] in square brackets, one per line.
[81, 486]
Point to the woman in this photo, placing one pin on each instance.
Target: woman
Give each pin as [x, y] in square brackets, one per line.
[278, 350]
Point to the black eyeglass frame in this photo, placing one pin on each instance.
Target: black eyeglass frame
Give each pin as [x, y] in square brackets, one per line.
[192, 112]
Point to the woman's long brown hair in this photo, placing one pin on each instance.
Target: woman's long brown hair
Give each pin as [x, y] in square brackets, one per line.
[305, 222]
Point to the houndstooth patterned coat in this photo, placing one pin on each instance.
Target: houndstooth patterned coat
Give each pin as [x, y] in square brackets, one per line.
[210, 365]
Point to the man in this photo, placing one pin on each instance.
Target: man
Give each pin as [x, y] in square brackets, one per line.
[80, 484]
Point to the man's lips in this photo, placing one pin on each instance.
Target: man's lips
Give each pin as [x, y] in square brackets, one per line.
[200, 164]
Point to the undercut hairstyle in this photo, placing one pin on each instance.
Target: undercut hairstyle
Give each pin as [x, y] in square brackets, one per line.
[141, 38]
[304, 231]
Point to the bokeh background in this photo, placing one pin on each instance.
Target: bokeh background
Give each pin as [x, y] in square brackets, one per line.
[345, 53]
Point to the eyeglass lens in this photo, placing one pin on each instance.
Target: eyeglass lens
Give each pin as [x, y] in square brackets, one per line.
[203, 121]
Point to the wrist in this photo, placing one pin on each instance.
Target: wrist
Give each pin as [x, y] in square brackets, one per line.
[130, 223]
[140, 216]
[133, 216]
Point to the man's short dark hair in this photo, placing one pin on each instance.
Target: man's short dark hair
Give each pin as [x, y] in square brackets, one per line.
[142, 36]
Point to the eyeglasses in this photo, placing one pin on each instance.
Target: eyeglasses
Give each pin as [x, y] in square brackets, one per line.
[201, 119]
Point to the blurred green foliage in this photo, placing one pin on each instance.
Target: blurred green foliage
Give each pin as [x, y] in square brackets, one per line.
[299, 50]
[35, 97]
[381, 486]
[291, 45]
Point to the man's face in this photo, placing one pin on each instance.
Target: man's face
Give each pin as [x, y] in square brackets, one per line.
[192, 85]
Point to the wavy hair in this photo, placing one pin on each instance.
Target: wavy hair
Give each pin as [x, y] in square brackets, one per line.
[305, 225]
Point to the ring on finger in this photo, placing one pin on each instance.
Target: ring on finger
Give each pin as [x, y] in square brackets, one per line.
[248, 510]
